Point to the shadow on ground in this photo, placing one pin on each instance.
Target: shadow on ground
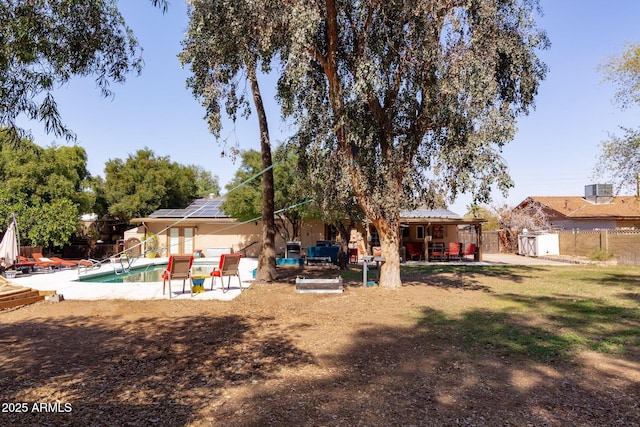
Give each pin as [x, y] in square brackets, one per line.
[479, 368]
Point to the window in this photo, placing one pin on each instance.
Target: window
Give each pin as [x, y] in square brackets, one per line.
[181, 240]
[174, 241]
[188, 241]
[420, 232]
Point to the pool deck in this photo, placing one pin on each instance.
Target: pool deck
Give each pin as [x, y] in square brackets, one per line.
[65, 282]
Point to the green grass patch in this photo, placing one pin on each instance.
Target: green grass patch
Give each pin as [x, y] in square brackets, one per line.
[542, 313]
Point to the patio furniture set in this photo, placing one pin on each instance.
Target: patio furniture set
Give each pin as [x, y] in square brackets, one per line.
[180, 267]
[41, 264]
[438, 251]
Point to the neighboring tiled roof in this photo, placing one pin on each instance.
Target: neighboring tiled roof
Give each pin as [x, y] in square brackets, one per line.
[429, 213]
[200, 208]
[579, 207]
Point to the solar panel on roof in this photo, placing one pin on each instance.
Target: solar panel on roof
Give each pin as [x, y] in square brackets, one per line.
[200, 208]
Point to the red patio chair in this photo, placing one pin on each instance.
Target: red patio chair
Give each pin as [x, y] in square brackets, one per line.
[437, 251]
[414, 250]
[229, 266]
[44, 262]
[469, 249]
[453, 251]
[179, 268]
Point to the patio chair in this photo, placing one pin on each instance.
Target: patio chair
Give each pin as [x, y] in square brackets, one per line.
[25, 264]
[437, 251]
[71, 263]
[179, 268]
[453, 251]
[469, 249]
[45, 262]
[414, 250]
[229, 266]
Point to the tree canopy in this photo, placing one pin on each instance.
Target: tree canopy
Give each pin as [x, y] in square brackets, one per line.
[45, 188]
[492, 216]
[624, 72]
[225, 45]
[411, 99]
[44, 43]
[206, 183]
[245, 202]
[145, 182]
[619, 159]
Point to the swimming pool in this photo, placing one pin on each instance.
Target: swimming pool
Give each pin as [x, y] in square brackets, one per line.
[149, 273]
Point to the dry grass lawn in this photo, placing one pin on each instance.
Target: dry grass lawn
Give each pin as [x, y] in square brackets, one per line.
[543, 346]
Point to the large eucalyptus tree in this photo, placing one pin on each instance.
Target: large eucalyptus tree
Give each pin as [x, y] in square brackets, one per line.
[412, 99]
[226, 44]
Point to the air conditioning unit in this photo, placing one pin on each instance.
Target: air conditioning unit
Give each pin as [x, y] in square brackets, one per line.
[599, 193]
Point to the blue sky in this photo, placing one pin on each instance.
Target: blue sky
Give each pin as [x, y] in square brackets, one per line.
[552, 154]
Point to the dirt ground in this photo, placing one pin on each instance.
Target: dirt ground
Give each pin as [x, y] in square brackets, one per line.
[365, 357]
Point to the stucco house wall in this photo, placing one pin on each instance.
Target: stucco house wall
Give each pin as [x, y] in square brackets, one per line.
[191, 236]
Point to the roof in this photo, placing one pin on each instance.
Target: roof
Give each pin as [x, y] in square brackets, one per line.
[429, 213]
[206, 208]
[437, 216]
[199, 208]
[620, 207]
[210, 208]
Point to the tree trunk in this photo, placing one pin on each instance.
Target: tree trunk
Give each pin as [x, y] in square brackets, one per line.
[267, 258]
[384, 218]
[390, 245]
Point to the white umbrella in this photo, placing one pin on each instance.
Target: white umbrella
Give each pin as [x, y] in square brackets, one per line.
[9, 243]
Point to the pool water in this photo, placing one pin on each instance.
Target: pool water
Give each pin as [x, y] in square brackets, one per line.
[151, 273]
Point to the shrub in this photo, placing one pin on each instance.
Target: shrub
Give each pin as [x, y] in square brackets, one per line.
[601, 255]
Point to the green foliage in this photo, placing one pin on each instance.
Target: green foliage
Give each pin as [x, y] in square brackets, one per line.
[398, 103]
[223, 40]
[493, 219]
[45, 187]
[619, 161]
[51, 224]
[427, 116]
[45, 43]
[143, 183]
[624, 72]
[245, 202]
[601, 255]
[206, 183]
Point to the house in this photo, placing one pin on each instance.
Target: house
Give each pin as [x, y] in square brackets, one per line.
[204, 226]
[598, 209]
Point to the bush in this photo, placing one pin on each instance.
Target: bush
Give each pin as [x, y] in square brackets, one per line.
[601, 255]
